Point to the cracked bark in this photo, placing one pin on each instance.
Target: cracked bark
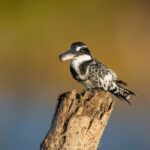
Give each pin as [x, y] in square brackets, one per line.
[79, 121]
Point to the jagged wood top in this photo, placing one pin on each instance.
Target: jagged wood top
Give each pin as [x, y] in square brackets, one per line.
[79, 120]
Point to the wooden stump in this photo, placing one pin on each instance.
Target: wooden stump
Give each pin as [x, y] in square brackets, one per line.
[79, 121]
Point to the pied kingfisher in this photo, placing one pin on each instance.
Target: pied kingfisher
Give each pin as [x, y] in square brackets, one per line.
[92, 73]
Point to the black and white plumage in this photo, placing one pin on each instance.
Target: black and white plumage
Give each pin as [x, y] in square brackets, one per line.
[92, 73]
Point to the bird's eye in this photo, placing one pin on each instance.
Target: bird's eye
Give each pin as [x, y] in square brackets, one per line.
[82, 51]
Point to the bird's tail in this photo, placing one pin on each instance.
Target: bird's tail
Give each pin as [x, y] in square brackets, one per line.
[122, 93]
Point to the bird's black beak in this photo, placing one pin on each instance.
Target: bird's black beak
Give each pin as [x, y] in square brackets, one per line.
[70, 54]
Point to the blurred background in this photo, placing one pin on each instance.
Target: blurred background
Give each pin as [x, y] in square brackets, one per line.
[34, 33]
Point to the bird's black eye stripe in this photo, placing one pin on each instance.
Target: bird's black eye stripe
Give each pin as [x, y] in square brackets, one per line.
[84, 51]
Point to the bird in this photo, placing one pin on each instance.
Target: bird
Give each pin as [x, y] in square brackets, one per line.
[92, 73]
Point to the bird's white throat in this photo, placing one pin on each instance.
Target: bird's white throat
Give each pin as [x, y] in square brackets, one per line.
[79, 60]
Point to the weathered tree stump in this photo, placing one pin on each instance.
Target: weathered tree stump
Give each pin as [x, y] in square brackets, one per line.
[79, 121]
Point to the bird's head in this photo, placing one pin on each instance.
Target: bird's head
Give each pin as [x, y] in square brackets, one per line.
[77, 49]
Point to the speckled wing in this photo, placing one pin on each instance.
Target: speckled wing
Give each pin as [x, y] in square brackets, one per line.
[99, 75]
